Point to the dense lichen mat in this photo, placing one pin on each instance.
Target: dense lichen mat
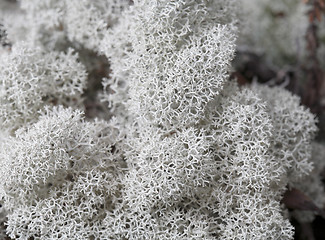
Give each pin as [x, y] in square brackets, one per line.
[168, 146]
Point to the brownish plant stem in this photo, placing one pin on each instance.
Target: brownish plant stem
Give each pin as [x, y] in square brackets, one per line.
[314, 74]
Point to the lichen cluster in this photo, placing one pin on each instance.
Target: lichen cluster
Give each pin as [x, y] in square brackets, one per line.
[185, 153]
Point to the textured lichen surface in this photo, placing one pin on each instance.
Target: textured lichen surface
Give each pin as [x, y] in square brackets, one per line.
[183, 152]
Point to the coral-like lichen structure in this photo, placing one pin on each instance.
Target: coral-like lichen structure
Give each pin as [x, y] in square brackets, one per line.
[185, 153]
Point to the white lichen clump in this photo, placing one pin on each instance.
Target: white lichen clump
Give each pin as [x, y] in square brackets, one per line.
[188, 153]
[278, 31]
[275, 29]
[59, 177]
[31, 78]
[55, 23]
[312, 185]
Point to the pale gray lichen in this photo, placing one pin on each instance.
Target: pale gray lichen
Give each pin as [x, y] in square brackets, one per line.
[60, 177]
[31, 79]
[275, 29]
[188, 155]
[55, 24]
